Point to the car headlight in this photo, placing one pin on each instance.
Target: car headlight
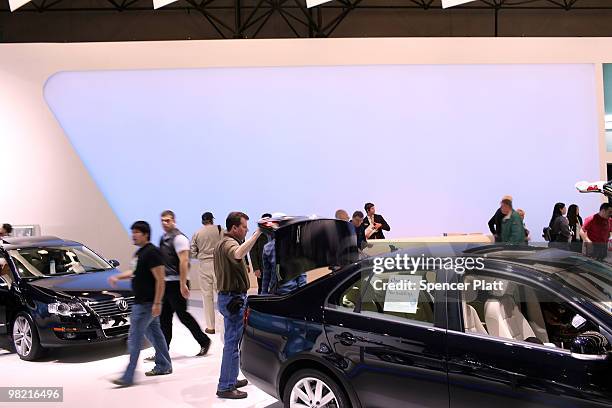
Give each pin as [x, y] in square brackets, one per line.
[66, 308]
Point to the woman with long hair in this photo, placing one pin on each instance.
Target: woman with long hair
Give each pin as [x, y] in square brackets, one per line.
[559, 227]
[575, 224]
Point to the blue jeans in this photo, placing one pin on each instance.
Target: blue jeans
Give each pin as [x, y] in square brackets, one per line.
[234, 324]
[142, 324]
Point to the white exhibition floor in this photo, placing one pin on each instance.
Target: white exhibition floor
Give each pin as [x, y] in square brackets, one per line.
[85, 373]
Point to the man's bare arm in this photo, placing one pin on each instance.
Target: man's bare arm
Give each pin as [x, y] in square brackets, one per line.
[120, 276]
[183, 266]
[584, 236]
[159, 273]
[125, 275]
[247, 245]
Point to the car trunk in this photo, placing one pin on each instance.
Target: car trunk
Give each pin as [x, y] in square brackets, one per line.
[307, 244]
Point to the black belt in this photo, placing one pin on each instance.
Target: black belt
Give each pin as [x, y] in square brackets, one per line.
[228, 293]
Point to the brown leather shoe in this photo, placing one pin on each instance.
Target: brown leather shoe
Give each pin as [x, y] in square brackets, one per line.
[232, 394]
[209, 331]
[242, 383]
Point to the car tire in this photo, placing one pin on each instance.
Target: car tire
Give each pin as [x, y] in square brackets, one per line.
[25, 338]
[332, 394]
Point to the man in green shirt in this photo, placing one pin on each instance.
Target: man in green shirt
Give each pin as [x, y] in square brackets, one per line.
[512, 230]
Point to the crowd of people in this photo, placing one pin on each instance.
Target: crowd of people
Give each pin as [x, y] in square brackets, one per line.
[370, 226]
[159, 274]
[566, 229]
[161, 287]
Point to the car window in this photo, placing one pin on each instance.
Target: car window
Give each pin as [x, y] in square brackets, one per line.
[393, 295]
[5, 275]
[60, 260]
[348, 295]
[509, 309]
[21, 269]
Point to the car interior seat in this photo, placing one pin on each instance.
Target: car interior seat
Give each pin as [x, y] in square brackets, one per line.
[503, 316]
[351, 296]
[534, 314]
[471, 320]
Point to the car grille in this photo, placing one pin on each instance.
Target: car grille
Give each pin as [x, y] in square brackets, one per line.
[116, 331]
[110, 307]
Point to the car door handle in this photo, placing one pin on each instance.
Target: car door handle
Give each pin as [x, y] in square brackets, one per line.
[472, 362]
[346, 338]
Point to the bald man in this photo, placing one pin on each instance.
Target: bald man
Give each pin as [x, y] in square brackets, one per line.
[342, 215]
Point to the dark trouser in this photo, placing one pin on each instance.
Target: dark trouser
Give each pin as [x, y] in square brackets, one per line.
[259, 286]
[576, 246]
[597, 250]
[175, 302]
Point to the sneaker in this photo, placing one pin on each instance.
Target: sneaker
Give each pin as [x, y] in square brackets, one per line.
[121, 384]
[154, 372]
[242, 383]
[209, 331]
[232, 394]
[203, 350]
[150, 358]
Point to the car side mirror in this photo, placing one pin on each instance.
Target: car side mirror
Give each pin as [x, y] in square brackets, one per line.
[590, 346]
[114, 263]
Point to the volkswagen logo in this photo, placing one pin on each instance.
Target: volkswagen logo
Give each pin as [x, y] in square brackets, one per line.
[122, 304]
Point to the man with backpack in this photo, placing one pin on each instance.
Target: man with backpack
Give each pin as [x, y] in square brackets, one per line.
[174, 246]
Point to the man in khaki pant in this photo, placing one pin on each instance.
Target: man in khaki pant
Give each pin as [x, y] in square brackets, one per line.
[202, 248]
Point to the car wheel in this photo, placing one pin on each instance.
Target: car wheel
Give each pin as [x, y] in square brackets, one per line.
[314, 389]
[25, 338]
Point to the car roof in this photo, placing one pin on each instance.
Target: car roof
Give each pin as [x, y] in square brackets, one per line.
[531, 258]
[30, 242]
[541, 258]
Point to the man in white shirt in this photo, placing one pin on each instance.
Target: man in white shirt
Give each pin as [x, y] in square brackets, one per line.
[374, 223]
[202, 247]
[174, 246]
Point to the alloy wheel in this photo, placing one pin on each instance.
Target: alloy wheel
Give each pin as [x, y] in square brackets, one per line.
[22, 336]
[312, 393]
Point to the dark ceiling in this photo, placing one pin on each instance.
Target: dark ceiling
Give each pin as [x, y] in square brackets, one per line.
[127, 20]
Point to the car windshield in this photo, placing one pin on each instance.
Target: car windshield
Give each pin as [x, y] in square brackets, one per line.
[56, 260]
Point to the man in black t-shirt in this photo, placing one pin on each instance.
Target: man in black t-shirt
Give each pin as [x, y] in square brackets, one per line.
[148, 286]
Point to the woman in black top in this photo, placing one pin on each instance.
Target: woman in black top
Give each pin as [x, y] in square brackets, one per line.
[575, 224]
[559, 227]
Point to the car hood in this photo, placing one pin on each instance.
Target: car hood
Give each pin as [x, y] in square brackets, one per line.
[87, 286]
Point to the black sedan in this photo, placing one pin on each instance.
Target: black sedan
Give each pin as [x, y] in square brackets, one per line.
[55, 293]
[488, 326]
